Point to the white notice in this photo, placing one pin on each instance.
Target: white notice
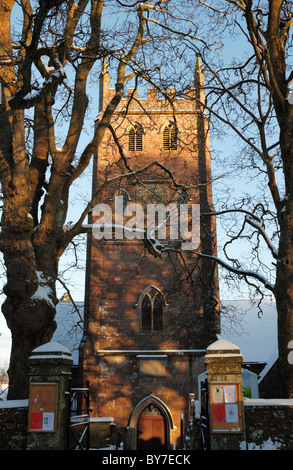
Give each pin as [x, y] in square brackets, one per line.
[48, 422]
[230, 393]
[231, 414]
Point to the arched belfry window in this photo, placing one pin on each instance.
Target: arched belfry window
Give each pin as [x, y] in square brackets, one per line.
[135, 138]
[170, 137]
[151, 304]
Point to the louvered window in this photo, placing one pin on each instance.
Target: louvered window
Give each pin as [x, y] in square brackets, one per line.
[135, 139]
[152, 307]
[170, 137]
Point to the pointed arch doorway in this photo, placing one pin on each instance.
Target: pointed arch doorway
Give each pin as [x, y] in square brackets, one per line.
[150, 425]
[151, 429]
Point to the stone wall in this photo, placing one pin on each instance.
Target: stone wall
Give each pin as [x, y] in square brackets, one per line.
[13, 424]
[269, 424]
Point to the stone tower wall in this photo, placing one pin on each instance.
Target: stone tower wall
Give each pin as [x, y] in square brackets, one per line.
[124, 363]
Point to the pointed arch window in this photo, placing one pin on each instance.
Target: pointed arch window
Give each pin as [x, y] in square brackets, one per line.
[151, 304]
[135, 138]
[170, 137]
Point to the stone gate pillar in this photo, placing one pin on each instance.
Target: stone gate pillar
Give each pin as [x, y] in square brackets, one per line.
[49, 374]
[226, 411]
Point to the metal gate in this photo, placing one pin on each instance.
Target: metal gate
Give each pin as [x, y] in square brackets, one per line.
[79, 417]
[204, 416]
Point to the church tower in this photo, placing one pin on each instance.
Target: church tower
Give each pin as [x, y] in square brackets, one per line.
[151, 305]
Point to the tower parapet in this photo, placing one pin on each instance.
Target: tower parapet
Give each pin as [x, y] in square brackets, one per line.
[158, 99]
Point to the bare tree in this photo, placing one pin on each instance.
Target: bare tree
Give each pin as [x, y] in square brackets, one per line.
[48, 54]
[249, 94]
[46, 65]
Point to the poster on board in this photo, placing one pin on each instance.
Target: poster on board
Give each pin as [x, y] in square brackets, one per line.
[225, 407]
[43, 406]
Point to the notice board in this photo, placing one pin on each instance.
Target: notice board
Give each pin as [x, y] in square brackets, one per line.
[43, 407]
[225, 407]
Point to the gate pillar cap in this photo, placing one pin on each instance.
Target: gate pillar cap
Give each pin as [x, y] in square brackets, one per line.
[222, 346]
[51, 349]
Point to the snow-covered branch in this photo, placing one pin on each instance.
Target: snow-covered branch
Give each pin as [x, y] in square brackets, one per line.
[240, 272]
[24, 100]
[79, 227]
[259, 225]
[152, 244]
[252, 220]
[157, 248]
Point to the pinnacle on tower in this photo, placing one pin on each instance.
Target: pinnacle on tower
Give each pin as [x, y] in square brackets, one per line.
[199, 79]
[104, 67]
[104, 83]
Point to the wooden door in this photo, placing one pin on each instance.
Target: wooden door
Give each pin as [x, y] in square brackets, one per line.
[151, 429]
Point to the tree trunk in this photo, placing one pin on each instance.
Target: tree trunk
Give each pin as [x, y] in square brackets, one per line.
[284, 271]
[31, 271]
[284, 303]
[24, 341]
[29, 310]
[284, 297]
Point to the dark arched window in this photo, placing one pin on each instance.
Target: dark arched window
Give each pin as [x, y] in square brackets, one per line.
[151, 309]
[170, 137]
[135, 138]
